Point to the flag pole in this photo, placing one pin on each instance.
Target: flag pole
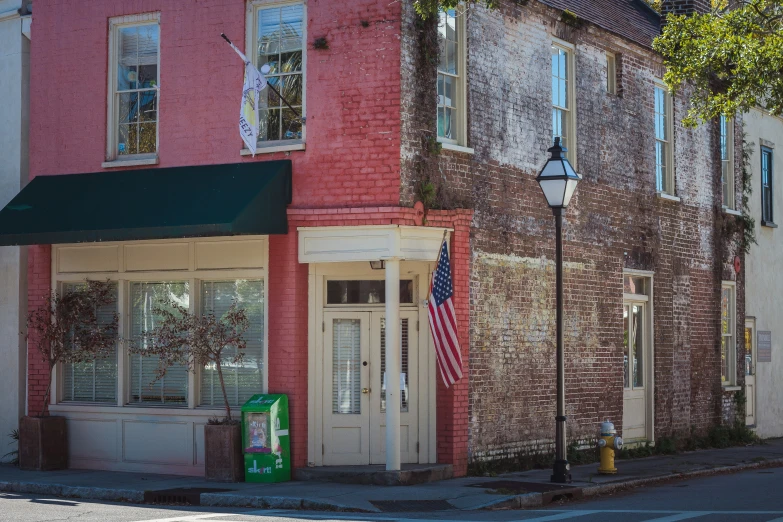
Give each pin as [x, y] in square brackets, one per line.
[223, 35]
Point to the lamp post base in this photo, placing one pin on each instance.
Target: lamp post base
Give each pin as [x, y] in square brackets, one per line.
[561, 472]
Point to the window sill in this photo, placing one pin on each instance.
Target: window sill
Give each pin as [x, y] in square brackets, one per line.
[731, 388]
[668, 197]
[769, 224]
[456, 148]
[731, 211]
[274, 148]
[120, 163]
[87, 407]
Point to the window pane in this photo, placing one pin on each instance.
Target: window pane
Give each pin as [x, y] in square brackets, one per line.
[128, 107]
[638, 346]
[626, 339]
[149, 106]
[365, 292]
[749, 366]
[346, 366]
[125, 144]
[147, 137]
[634, 285]
[243, 379]
[94, 381]
[145, 388]
[404, 376]
[724, 370]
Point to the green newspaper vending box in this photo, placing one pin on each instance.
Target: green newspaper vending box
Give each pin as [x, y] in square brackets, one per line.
[265, 440]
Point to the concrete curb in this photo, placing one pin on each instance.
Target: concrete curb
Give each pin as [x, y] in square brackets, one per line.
[59, 490]
[601, 489]
[233, 500]
[528, 500]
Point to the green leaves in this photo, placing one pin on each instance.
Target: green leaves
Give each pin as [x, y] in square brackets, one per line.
[427, 8]
[733, 59]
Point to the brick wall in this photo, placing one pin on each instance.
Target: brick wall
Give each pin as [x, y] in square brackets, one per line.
[615, 221]
[352, 93]
[39, 270]
[685, 7]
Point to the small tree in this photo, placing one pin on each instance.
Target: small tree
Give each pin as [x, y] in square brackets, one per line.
[66, 327]
[192, 340]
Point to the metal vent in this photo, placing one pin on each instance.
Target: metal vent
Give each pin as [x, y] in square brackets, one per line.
[187, 496]
[411, 506]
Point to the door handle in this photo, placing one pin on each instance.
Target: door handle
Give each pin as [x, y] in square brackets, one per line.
[365, 390]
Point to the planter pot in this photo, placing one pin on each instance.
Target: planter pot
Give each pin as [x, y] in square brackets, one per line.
[223, 453]
[43, 443]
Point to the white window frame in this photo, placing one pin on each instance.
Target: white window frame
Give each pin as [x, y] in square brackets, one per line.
[461, 143]
[727, 162]
[251, 50]
[668, 184]
[611, 73]
[570, 50]
[113, 159]
[193, 275]
[731, 353]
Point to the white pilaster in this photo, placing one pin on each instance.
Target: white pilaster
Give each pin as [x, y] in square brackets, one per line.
[393, 357]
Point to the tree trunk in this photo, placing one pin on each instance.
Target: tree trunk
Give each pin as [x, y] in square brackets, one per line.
[223, 387]
[48, 390]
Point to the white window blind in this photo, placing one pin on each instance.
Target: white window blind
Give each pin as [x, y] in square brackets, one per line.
[346, 366]
[171, 390]
[94, 381]
[405, 376]
[245, 379]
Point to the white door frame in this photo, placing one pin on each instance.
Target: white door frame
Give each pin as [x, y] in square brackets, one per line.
[319, 273]
[649, 372]
[750, 322]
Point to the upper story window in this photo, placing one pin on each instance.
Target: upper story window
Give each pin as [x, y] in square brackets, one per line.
[134, 86]
[727, 160]
[563, 121]
[766, 186]
[452, 114]
[664, 162]
[277, 33]
[611, 73]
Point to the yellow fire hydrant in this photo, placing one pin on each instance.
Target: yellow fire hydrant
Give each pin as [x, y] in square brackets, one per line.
[608, 444]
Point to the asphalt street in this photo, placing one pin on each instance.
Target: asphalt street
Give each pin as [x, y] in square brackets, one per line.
[754, 496]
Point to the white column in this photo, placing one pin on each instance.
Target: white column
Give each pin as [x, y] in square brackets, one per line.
[393, 356]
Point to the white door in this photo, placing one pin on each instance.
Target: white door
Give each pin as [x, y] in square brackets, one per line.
[634, 372]
[346, 394]
[409, 393]
[354, 404]
[750, 373]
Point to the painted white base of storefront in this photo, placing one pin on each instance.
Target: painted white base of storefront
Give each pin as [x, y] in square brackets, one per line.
[150, 440]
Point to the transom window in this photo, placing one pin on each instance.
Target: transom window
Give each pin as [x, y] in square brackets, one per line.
[134, 79]
[727, 160]
[728, 344]
[563, 125]
[664, 165]
[451, 78]
[278, 36]
[367, 291]
[766, 186]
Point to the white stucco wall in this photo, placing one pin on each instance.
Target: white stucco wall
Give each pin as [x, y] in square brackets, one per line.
[14, 122]
[764, 289]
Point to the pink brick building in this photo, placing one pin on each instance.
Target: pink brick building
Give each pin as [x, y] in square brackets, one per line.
[456, 112]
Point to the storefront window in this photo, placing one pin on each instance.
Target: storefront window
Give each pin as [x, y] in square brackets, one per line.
[145, 386]
[245, 378]
[93, 381]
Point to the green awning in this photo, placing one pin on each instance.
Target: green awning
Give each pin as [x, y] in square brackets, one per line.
[198, 201]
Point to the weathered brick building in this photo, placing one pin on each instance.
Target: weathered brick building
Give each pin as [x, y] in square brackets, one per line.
[457, 113]
[622, 223]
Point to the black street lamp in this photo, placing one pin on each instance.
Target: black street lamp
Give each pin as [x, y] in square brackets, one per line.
[558, 181]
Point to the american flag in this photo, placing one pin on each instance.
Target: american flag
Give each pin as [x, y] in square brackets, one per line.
[443, 320]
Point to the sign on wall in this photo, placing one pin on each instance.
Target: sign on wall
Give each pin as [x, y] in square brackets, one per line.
[764, 347]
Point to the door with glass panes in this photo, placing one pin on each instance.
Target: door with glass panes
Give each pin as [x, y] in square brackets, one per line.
[354, 392]
[634, 370]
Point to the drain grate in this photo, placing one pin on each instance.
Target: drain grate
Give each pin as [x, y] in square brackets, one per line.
[411, 506]
[188, 496]
[549, 492]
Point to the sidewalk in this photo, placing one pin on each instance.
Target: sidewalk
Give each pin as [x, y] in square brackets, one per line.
[513, 490]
